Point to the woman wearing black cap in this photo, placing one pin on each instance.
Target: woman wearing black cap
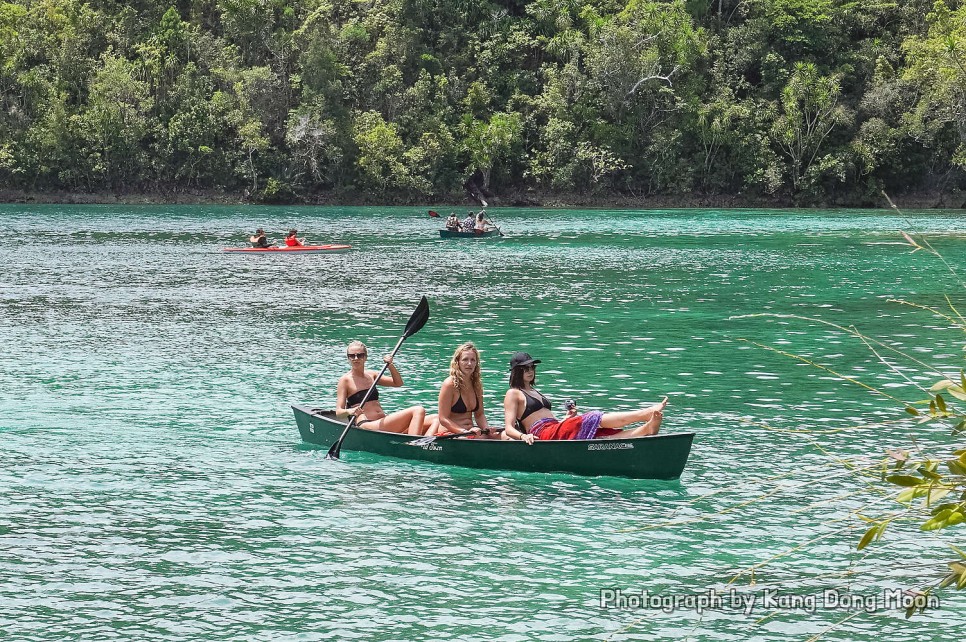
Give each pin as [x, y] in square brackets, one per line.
[527, 409]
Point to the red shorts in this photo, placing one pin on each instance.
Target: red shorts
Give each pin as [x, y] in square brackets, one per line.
[585, 426]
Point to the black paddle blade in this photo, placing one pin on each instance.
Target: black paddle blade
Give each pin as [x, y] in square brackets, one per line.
[418, 319]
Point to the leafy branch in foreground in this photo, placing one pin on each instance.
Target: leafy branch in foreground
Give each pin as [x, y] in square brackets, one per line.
[930, 482]
[933, 488]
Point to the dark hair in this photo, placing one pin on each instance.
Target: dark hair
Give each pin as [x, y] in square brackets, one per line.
[516, 377]
[293, 232]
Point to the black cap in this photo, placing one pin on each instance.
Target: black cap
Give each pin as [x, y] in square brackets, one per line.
[522, 359]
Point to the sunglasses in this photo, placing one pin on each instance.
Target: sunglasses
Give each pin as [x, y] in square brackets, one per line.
[529, 367]
[356, 355]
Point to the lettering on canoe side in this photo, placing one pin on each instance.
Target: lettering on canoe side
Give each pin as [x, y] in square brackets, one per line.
[432, 447]
[617, 446]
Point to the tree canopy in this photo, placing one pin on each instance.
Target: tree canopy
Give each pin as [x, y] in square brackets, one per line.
[803, 101]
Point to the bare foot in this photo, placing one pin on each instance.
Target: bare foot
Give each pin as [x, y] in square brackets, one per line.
[654, 423]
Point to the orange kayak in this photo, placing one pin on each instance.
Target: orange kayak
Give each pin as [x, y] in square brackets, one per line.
[297, 249]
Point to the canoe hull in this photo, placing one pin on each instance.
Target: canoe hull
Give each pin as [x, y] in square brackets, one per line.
[299, 249]
[447, 234]
[657, 457]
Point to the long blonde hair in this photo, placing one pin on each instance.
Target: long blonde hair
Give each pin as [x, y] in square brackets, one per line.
[475, 382]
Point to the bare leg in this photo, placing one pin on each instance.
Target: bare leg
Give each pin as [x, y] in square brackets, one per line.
[431, 424]
[650, 417]
[418, 423]
[409, 421]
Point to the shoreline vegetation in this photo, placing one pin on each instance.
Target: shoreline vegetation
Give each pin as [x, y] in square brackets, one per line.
[920, 201]
[545, 103]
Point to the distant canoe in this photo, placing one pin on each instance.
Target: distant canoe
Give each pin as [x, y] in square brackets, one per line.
[655, 457]
[448, 234]
[296, 249]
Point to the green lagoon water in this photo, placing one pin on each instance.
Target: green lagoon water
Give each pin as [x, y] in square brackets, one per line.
[153, 487]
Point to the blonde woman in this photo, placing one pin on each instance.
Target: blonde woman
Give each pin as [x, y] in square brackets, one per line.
[461, 395]
[352, 388]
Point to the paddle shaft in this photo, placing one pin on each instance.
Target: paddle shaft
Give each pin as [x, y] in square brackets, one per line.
[496, 226]
[465, 433]
[425, 441]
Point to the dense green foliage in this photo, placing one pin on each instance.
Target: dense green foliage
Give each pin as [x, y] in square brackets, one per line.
[801, 100]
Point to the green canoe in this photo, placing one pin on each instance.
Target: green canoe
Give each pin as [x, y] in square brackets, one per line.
[657, 457]
[448, 234]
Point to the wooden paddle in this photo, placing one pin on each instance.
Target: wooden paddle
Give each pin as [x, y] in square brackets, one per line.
[487, 218]
[416, 323]
[425, 441]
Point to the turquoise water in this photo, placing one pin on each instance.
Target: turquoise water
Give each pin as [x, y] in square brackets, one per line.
[153, 485]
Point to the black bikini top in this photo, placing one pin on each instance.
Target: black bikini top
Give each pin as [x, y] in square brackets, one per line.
[356, 398]
[533, 405]
[459, 407]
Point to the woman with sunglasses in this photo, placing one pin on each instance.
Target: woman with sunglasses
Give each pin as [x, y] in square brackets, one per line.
[352, 388]
[461, 396]
[527, 412]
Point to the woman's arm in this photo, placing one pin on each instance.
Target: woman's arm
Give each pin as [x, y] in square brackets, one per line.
[513, 404]
[394, 380]
[341, 394]
[480, 416]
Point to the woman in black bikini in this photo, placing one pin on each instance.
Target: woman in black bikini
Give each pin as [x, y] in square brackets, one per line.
[352, 388]
[461, 396]
[527, 412]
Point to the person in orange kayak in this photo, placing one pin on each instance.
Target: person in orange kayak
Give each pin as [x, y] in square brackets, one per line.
[292, 241]
[258, 239]
[528, 417]
[352, 388]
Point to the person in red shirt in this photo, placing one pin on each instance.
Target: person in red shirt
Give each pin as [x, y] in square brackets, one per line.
[292, 241]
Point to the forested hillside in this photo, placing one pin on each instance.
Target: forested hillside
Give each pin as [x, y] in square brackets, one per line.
[800, 101]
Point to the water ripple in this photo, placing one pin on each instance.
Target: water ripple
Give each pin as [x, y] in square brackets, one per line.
[153, 486]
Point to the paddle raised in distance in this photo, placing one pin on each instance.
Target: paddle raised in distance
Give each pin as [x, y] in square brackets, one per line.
[416, 323]
[425, 441]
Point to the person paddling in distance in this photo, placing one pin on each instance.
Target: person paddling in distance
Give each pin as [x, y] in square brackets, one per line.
[352, 388]
[527, 414]
[453, 222]
[258, 239]
[461, 396]
[292, 240]
[480, 226]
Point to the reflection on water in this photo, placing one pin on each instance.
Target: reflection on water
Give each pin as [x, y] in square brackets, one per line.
[154, 486]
